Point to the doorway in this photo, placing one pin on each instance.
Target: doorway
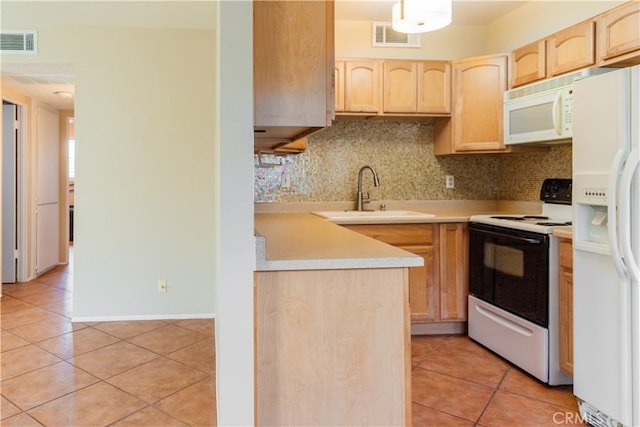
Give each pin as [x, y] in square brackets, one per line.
[12, 192]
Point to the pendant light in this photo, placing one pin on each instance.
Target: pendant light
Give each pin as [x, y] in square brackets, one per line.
[420, 16]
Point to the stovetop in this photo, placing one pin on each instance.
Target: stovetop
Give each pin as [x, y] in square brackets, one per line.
[556, 210]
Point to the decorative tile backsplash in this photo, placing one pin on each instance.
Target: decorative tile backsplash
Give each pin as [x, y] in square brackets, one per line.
[401, 152]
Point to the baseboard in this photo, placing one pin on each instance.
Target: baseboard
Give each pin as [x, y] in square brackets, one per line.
[439, 328]
[142, 317]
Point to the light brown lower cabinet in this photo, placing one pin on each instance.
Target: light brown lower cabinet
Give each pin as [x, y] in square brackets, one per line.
[438, 290]
[565, 289]
[332, 347]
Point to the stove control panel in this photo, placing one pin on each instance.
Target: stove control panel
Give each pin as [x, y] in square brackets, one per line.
[556, 190]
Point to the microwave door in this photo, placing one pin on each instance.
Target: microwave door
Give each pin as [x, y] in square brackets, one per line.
[534, 118]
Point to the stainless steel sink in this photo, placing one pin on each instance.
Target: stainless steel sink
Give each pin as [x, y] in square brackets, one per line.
[370, 217]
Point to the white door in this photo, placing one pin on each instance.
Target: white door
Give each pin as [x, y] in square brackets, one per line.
[47, 210]
[9, 193]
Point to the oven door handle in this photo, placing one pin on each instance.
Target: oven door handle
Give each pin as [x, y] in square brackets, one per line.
[510, 236]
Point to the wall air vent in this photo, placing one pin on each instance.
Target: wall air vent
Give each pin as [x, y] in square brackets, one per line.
[18, 42]
[385, 36]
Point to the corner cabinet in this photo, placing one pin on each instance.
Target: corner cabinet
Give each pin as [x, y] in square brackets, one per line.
[293, 64]
[618, 35]
[437, 290]
[476, 122]
[565, 297]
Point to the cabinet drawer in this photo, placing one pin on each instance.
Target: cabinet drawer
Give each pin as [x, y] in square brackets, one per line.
[397, 234]
[566, 253]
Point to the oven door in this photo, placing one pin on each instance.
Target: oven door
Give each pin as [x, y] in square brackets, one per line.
[510, 269]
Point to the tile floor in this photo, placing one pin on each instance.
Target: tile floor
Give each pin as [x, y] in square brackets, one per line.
[161, 373]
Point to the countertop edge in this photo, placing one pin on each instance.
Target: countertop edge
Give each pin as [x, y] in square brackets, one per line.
[309, 242]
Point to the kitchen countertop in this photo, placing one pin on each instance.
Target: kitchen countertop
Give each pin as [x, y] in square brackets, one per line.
[564, 232]
[289, 237]
[303, 241]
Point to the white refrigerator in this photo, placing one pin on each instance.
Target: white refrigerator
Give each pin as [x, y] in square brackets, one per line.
[606, 297]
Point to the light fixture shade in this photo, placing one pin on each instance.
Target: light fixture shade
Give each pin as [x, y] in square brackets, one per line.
[420, 16]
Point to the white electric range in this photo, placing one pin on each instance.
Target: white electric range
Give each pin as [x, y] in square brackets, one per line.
[513, 283]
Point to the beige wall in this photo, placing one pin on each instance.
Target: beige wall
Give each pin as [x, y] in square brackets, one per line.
[538, 19]
[532, 21]
[353, 40]
[144, 108]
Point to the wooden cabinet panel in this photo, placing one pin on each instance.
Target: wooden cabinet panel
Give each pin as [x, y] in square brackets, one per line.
[565, 303]
[453, 239]
[293, 57]
[399, 85]
[362, 86]
[438, 290]
[571, 49]
[476, 122]
[528, 63]
[618, 35]
[397, 234]
[423, 291]
[434, 87]
[338, 74]
[312, 330]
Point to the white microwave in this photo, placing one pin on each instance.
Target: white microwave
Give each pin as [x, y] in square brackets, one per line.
[541, 112]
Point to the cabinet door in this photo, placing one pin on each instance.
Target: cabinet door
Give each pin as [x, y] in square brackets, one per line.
[423, 290]
[571, 49]
[565, 305]
[619, 34]
[399, 83]
[293, 57]
[362, 86]
[434, 87]
[565, 290]
[478, 86]
[338, 74]
[453, 268]
[528, 63]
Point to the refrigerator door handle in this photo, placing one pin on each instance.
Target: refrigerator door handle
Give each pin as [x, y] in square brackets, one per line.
[624, 201]
[612, 215]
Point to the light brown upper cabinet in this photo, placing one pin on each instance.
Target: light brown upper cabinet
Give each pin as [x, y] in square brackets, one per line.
[618, 35]
[529, 63]
[400, 86]
[571, 49]
[476, 121]
[339, 85]
[434, 87]
[293, 57]
[393, 87]
[362, 86]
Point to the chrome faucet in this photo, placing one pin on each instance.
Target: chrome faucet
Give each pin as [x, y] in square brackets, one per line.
[361, 199]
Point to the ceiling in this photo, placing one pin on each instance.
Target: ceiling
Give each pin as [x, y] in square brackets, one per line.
[41, 81]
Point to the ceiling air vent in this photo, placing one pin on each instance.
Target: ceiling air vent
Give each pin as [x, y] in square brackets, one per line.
[385, 36]
[18, 42]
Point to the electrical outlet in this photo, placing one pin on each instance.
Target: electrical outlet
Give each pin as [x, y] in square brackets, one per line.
[449, 182]
[286, 180]
[162, 285]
